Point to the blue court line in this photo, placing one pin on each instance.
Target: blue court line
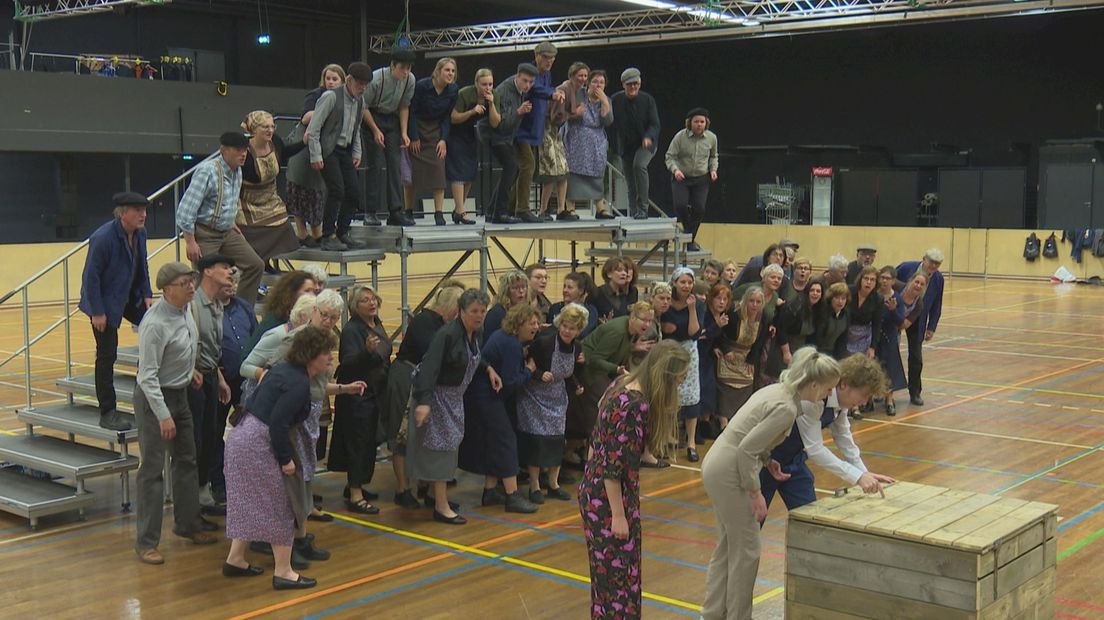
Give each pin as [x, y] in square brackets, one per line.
[479, 562]
[1040, 475]
[983, 470]
[1081, 517]
[513, 567]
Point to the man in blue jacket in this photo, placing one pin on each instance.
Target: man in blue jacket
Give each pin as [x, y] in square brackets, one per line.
[924, 328]
[115, 284]
[530, 131]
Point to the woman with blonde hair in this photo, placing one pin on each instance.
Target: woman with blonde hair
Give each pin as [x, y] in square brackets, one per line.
[730, 473]
[462, 160]
[262, 214]
[543, 401]
[430, 110]
[741, 348]
[513, 289]
[305, 187]
[637, 412]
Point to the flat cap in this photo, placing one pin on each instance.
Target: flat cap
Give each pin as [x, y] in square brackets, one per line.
[360, 71]
[867, 247]
[210, 260]
[130, 199]
[630, 75]
[234, 139]
[402, 56]
[789, 243]
[171, 271]
[697, 112]
[527, 68]
[545, 48]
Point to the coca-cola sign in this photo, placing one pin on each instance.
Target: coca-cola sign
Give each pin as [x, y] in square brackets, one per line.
[822, 171]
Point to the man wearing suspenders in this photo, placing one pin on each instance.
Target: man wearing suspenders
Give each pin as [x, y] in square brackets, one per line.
[209, 207]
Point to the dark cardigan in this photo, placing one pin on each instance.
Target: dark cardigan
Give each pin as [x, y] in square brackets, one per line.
[446, 361]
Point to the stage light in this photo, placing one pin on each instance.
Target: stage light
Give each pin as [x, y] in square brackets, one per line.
[264, 39]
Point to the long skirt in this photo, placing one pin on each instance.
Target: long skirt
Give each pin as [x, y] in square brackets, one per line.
[271, 241]
[690, 388]
[354, 437]
[540, 450]
[462, 161]
[428, 171]
[400, 379]
[258, 504]
[581, 187]
[490, 445]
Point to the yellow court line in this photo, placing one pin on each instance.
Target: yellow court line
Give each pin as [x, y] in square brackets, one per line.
[1020, 388]
[503, 558]
[767, 595]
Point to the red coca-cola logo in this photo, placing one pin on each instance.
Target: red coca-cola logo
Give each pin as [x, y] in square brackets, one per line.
[822, 171]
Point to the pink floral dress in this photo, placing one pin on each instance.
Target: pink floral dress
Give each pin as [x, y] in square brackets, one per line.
[616, 444]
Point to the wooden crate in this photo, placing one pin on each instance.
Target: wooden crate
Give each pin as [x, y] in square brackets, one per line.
[923, 552]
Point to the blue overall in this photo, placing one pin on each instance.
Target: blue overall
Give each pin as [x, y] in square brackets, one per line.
[790, 454]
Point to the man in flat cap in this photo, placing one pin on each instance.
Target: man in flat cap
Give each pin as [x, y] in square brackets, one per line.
[511, 99]
[864, 255]
[387, 114]
[167, 343]
[530, 132]
[210, 388]
[692, 160]
[636, 128]
[115, 285]
[333, 139]
[209, 208]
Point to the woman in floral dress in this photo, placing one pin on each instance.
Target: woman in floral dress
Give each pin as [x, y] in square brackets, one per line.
[637, 411]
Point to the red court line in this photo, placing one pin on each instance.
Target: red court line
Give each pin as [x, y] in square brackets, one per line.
[1065, 601]
[430, 560]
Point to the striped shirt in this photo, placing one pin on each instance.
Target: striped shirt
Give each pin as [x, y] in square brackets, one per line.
[200, 203]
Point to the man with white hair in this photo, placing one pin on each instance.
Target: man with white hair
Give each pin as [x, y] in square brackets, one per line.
[924, 327]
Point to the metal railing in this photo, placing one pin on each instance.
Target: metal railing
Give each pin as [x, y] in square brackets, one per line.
[23, 291]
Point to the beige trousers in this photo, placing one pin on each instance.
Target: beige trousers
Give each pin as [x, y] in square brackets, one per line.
[730, 582]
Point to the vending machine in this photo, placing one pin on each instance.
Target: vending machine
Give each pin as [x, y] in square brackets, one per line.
[822, 193]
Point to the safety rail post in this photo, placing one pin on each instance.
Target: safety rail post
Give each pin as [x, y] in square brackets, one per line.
[68, 324]
[176, 205]
[27, 344]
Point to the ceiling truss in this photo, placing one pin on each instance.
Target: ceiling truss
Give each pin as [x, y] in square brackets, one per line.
[29, 12]
[720, 19]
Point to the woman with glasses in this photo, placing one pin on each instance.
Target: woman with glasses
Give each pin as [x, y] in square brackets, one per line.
[262, 214]
[365, 356]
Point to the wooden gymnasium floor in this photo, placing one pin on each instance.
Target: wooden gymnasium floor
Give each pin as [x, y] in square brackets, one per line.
[1014, 407]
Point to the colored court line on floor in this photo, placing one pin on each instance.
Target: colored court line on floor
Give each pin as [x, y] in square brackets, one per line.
[1081, 517]
[1017, 329]
[1061, 600]
[1045, 471]
[962, 401]
[1012, 353]
[980, 433]
[1081, 544]
[1019, 388]
[417, 563]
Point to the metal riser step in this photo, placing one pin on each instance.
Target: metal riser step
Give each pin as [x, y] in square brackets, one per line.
[127, 357]
[86, 386]
[63, 458]
[32, 498]
[78, 419]
[333, 281]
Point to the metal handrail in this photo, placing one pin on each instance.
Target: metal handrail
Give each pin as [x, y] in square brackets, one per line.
[69, 312]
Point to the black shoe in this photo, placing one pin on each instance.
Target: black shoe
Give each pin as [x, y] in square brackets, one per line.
[657, 465]
[113, 421]
[208, 526]
[439, 219]
[370, 219]
[516, 502]
[536, 497]
[454, 520]
[351, 243]
[323, 517]
[548, 217]
[432, 503]
[640, 216]
[461, 218]
[692, 246]
[298, 561]
[229, 570]
[558, 493]
[306, 548]
[567, 216]
[361, 507]
[527, 217]
[604, 215]
[505, 219]
[692, 455]
[916, 400]
[333, 244]
[400, 218]
[407, 500]
[260, 547]
[309, 242]
[368, 495]
[493, 497]
[302, 583]
[891, 407]
[213, 511]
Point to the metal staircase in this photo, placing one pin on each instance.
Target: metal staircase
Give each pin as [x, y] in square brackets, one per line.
[45, 468]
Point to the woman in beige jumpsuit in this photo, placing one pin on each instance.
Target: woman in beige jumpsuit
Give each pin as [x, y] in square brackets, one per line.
[730, 472]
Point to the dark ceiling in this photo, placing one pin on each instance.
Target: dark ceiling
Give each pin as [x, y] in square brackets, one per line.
[385, 15]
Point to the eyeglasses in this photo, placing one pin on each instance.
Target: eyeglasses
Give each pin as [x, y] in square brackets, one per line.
[329, 316]
[190, 283]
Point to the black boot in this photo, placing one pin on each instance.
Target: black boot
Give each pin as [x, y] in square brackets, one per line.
[306, 548]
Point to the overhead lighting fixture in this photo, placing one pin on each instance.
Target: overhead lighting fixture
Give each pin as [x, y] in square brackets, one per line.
[706, 14]
[264, 25]
[264, 39]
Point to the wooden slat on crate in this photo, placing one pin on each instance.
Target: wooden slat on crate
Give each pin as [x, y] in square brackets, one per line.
[947, 515]
[1018, 571]
[1030, 597]
[860, 546]
[864, 603]
[1004, 527]
[889, 525]
[865, 509]
[824, 505]
[953, 531]
[901, 582]
[801, 611]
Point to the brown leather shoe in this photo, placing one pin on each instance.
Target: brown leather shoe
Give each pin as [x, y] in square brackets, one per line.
[198, 538]
[150, 556]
